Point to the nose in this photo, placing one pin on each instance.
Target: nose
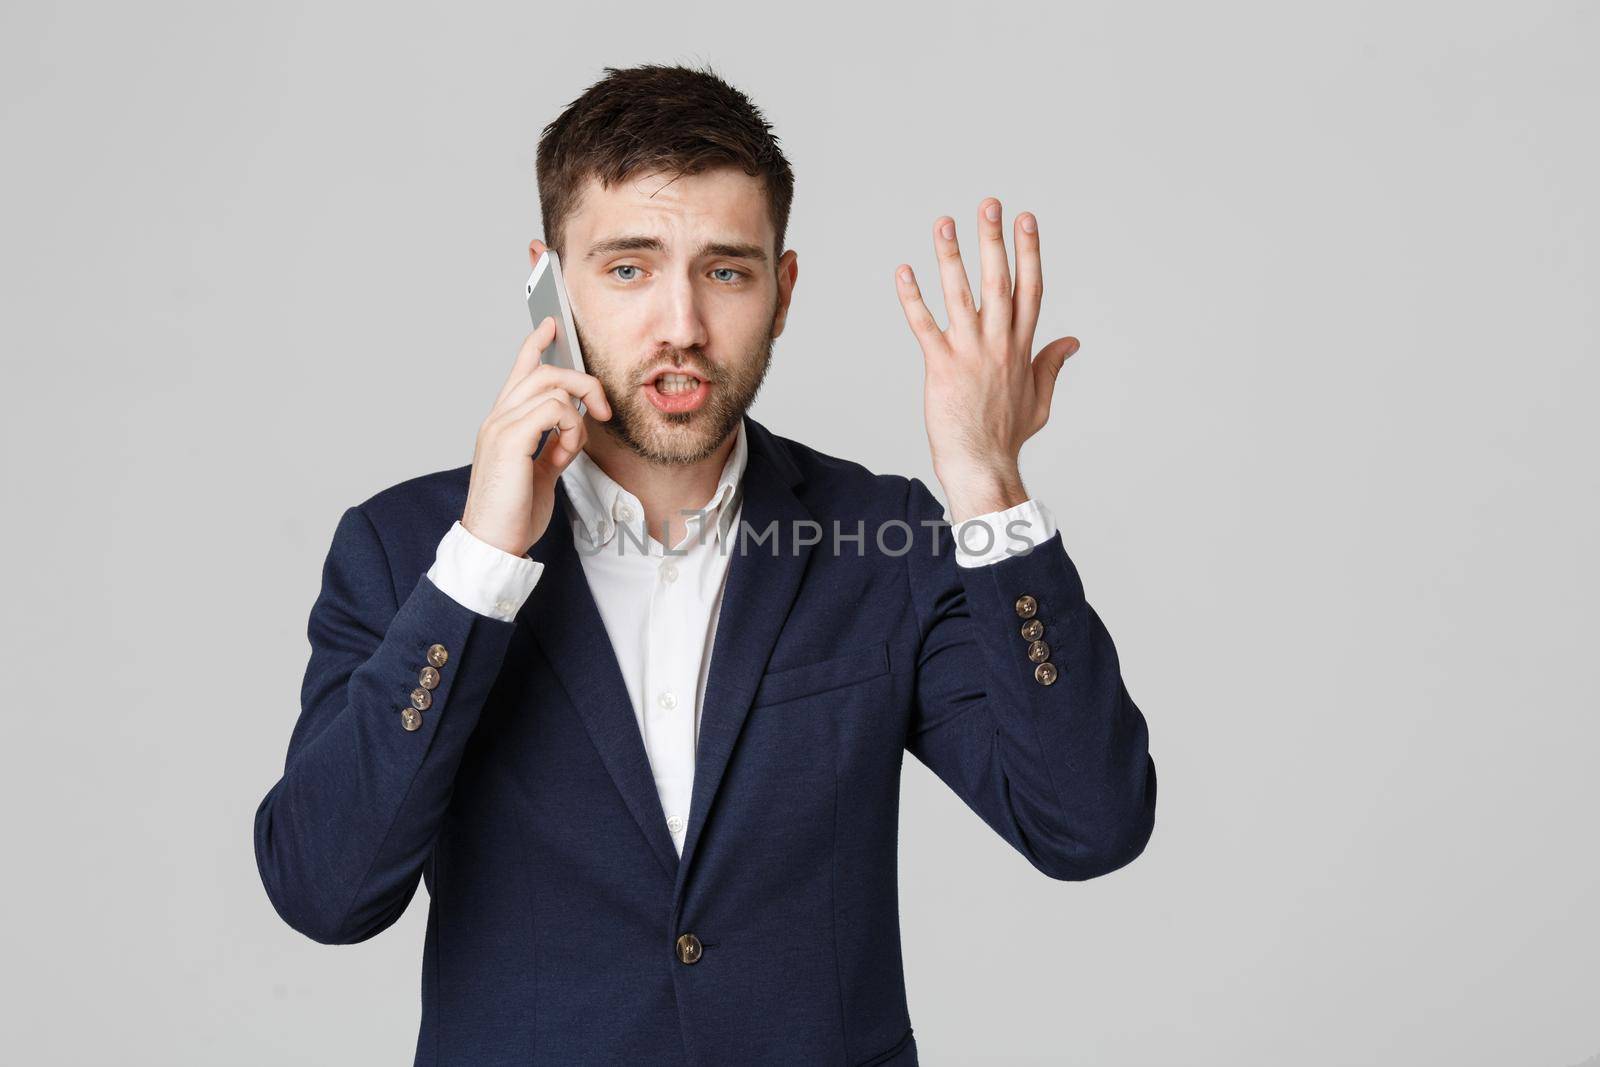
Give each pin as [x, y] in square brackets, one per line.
[681, 326]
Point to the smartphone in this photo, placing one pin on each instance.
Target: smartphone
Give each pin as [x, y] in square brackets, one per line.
[547, 296]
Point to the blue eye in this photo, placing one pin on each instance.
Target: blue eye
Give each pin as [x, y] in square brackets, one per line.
[738, 275]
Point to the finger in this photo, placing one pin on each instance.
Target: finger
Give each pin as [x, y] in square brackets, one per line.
[958, 306]
[508, 423]
[1047, 369]
[528, 355]
[1030, 284]
[517, 432]
[587, 387]
[558, 414]
[545, 376]
[923, 326]
[995, 314]
[521, 428]
[566, 439]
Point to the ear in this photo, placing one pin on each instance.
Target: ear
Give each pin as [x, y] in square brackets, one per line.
[535, 250]
[788, 271]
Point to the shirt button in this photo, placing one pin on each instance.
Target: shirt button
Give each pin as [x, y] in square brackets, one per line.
[625, 513]
[505, 607]
[674, 824]
[669, 571]
[667, 699]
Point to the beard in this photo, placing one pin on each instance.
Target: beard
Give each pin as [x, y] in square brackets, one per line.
[682, 437]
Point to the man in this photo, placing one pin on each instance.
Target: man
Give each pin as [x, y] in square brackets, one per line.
[635, 709]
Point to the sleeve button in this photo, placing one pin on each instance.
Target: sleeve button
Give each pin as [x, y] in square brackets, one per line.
[429, 678]
[1026, 606]
[1045, 673]
[437, 655]
[1032, 630]
[421, 699]
[411, 718]
[1038, 652]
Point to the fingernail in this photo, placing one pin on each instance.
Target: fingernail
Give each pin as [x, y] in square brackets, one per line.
[948, 231]
[992, 212]
[905, 276]
[1029, 224]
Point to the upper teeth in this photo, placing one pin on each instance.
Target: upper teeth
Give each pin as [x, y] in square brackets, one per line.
[676, 382]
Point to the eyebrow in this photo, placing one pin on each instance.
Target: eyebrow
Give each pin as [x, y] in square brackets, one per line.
[638, 242]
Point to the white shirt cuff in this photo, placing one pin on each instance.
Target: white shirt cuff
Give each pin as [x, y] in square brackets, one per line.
[996, 535]
[481, 577]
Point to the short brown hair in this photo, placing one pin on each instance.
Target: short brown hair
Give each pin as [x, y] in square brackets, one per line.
[654, 117]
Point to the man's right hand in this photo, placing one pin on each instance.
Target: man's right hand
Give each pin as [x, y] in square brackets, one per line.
[512, 495]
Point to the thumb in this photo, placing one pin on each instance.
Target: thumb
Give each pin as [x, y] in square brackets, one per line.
[1047, 366]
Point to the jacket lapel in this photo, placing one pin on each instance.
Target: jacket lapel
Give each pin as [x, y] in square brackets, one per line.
[566, 622]
[763, 580]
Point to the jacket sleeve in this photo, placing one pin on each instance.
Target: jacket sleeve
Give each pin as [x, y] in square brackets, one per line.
[342, 838]
[1056, 762]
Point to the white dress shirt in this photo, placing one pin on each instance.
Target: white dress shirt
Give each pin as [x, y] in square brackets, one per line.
[660, 608]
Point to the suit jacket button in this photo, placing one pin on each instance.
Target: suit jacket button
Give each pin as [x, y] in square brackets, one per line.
[411, 718]
[1045, 673]
[437, 655]
[421, 699]
[1026, 606]
[429, 678]
[688, 948]
[1032, 630]
[1038, 652]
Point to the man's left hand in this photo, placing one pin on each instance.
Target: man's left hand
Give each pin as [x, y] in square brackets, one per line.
[983, 395]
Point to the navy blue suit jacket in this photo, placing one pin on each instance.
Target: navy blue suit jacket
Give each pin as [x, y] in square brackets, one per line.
[525, 800]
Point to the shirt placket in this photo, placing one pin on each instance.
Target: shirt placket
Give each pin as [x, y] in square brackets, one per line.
[670, 685]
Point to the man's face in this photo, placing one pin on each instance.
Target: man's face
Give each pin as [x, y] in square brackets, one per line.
[705, 301]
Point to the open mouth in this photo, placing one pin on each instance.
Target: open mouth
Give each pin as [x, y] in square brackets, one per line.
[674, 391]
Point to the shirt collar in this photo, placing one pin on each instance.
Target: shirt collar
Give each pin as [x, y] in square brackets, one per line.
[600, 503]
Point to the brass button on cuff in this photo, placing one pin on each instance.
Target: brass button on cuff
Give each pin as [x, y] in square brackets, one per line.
[688, 948]
[1026, 606]
[429, 678]
[437, 655]
[1045, 673]
[1038, 652]
[421, 699]
[1032, 630]
[411, 718]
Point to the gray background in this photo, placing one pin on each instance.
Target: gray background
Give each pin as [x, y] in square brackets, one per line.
[1323, 461]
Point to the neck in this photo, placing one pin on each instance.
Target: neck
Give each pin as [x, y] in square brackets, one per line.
[665, 489]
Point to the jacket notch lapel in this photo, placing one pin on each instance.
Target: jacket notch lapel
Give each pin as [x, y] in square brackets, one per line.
[564, 619]
[763, 580]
